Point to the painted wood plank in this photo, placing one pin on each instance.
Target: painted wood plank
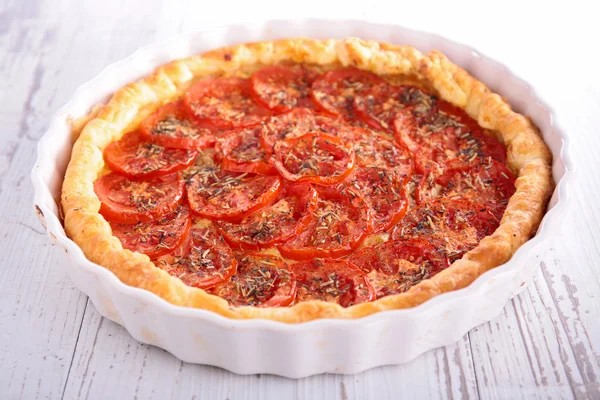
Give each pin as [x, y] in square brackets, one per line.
[536, 348]
[40, 311]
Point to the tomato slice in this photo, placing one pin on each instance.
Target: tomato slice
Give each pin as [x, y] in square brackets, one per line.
[170, 126]
[487, 182]
[455, 226]
[334, 91]
[378, 106]
[285, 217]
[399, 255]
[132, 201]
[339, 225]
[155, 238]
[474, 140]
[202, 261]
[383, 191]
[374, 150]
[335, 281]
[136, 157]
[240, 151]
[224, 103]
[262, 280]
[438, 137]
[295, 123]
[283, 87]
[395, 266]
[456, 113]
[316, 158]
[217, 194]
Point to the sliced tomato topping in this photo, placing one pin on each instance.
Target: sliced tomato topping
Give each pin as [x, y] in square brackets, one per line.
[455, 226]
[395, 256]
[283, 87]
[378, 106]
[285, 217]
[155, 238]
[262, 280]
[171, 126]
[295, 123]
[240, 151]
[224, 103]
[131, 201]
[395, 266]
[136, 157]
[202, 261]
[408, 135]
[488, 182]
[383, 191]
[316, 158]
[391, 284]
[335, 281]
[374, 150]
[217, 194]
[335, 91]
[476, 141]
[438, 137]
[338, 226]
[456, 113]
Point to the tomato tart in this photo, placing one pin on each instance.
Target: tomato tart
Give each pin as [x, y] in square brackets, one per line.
[301, 179]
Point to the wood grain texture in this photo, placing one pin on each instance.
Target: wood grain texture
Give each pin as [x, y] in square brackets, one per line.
[53, 344]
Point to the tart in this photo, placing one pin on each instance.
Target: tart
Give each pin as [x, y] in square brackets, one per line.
[302, 179]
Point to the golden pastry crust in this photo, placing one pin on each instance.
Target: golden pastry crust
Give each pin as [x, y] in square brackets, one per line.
[528, 157]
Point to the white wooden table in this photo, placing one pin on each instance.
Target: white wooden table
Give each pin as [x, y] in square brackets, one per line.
[53, 343]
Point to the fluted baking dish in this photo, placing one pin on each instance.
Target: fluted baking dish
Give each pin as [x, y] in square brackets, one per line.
[326, 345]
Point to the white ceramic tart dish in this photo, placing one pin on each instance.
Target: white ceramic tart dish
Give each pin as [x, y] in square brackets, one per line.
[324, 345]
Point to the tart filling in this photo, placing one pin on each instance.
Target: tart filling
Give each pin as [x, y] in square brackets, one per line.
[306, 189]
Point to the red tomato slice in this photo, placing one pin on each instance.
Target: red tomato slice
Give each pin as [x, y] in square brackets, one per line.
[134, 156]
[374, 150]
[129, 201]
[224, 103]
[455, 226]
[339, 225]
[295, 123]
[391, 284]
[383, 191]
[334, 91]
[476, 142]
[378, 106]
[485, 146]
[439, 137]
[458, 114]
[335, 281]
[283, 87]
[155, 238]
[218, 194]
[320, 159]
[170, 126]
[202, 261]
[285, 217]
[397, 265]
[240, 150]
[262, 280]
[489, 183]
[428, 145]
[399, 255]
